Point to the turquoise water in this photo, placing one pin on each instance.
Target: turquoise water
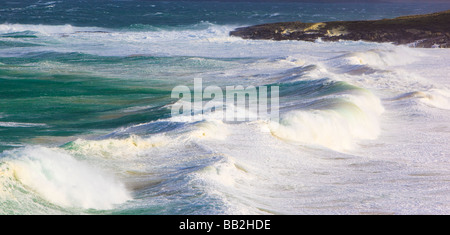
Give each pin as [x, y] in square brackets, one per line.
[86, 85]
[35, 89]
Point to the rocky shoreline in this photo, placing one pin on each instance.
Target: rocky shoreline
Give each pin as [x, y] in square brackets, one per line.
[424, 31]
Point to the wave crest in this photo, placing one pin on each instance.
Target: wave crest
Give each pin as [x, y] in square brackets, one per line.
[338, 127]
[59, 179]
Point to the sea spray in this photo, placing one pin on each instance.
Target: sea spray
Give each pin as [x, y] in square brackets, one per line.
[338, 126]
[58, 178]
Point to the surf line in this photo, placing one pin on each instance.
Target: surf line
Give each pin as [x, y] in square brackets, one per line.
[236, 103]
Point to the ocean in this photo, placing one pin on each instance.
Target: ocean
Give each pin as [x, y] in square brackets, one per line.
[86, 124]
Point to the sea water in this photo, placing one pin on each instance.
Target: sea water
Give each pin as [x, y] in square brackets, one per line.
[86, 125]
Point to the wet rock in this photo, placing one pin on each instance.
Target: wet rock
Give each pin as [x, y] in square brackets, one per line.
[430, 30]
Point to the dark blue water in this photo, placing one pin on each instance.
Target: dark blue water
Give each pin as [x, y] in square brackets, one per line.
[117, 14]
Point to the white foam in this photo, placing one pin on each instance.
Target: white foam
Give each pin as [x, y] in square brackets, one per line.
[210, 130]
[205, 40]
[44, 29]
[338, 128]
[117, 148]
[19, 124]
[438, 98]
[376, 58]
[58, 178]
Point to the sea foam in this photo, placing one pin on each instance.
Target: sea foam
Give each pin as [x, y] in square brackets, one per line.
[58, 178]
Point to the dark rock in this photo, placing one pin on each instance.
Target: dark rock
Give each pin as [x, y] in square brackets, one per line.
[430, 30]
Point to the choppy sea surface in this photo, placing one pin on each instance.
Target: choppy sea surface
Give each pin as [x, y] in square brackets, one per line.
[86, 125]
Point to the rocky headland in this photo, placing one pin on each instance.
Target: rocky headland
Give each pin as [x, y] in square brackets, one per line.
[425, 31]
